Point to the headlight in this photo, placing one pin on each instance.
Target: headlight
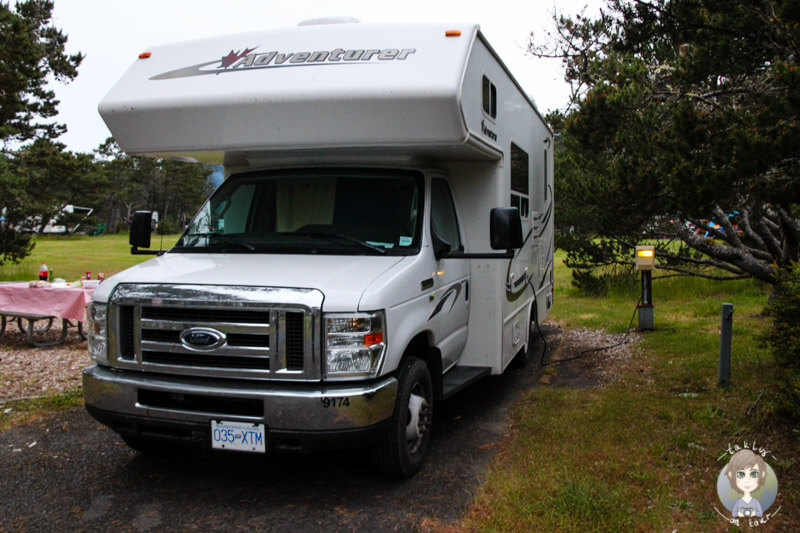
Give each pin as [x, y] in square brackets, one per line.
[354, 344]
[98, 332]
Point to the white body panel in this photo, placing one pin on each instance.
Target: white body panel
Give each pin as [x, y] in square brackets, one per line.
[400, 92]
[331, 274]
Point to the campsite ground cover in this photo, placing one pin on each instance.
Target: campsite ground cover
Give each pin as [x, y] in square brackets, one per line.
[643, 451]
[70, 257]
[637, 448]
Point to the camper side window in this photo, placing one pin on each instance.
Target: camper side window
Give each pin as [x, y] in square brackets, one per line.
[546, 179]
[489, 98]
[443, 214]
[520, 194]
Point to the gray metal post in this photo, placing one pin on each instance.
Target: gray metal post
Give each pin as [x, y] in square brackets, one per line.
[645, 309]
[726, 332]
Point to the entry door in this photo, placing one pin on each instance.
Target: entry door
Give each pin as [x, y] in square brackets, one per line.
[522, 267]
[450, 302]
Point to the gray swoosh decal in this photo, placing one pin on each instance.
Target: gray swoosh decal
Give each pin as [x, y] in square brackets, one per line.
[454, 290]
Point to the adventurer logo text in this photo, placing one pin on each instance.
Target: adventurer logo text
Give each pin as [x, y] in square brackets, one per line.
[250, 59]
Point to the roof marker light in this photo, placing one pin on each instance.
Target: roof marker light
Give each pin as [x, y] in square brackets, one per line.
[453, 33]
[145, 55]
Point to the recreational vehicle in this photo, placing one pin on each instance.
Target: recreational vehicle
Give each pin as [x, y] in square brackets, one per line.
[69, 214]
[383, 238]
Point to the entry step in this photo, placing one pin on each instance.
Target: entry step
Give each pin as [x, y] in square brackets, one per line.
[461, 376]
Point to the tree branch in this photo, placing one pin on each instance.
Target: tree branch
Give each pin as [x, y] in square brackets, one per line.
[764, 228]
[708, 262]
[748, 230]
[713, 231]
[727, 254]
[791, 232]
[731, 236]
[685, 272]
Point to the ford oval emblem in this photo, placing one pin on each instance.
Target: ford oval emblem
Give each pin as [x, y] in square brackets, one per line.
[202, 338]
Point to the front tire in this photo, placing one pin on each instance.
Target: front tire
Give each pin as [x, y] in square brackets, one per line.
[402, 451]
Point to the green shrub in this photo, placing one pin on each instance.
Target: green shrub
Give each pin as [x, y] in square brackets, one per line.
[783, 339]
[600, 281]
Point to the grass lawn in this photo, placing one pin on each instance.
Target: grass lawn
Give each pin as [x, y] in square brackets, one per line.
[71, 256]
[644, 453]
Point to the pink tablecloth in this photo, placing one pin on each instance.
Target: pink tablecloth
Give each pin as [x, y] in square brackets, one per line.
[17, 298]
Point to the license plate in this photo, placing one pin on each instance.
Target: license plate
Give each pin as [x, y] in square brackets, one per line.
[239, 436]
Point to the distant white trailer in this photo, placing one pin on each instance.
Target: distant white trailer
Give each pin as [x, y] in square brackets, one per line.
[340, 281]
[54, 225]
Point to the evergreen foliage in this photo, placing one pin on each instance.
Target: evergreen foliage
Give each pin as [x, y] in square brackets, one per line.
[683, 127]
[31, 53]
[783, 338]
[39, 177]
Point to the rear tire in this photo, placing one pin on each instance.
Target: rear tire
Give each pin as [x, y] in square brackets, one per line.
[523, 357]
[402, 450]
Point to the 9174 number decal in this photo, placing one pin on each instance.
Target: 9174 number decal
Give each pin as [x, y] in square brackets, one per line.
[335, 402]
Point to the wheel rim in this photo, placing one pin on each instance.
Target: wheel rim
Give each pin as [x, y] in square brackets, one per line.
[419, 419]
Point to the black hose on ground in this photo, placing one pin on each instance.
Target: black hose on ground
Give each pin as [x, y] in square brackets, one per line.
[584, 352]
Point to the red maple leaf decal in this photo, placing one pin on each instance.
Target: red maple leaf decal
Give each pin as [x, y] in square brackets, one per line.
[233, 57]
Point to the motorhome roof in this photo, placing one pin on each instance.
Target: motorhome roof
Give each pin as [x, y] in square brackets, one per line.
[324, 87]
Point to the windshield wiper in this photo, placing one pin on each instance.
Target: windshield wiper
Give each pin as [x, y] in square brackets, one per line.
[324, 234]
[227, 239]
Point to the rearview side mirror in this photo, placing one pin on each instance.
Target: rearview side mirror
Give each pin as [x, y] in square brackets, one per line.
[505, 228]
[505, 233]
[140, 232]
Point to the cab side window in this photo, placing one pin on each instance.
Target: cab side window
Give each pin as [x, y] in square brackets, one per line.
[443, 214]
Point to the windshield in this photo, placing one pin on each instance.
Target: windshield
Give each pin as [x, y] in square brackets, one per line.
[329, 211]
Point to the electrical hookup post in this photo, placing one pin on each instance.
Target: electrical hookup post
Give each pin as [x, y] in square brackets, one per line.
[725, 336]
[645, 263]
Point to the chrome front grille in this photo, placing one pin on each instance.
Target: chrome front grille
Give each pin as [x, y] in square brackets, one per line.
[184, 314]
[252, 332]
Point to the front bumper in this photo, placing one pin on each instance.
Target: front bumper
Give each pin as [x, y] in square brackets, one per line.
[182, 408]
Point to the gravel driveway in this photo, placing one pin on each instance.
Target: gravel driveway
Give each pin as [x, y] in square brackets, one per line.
[66, 472]
[27, 372]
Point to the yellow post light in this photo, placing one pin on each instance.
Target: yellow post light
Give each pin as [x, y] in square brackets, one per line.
[646, 263]
[645, 257]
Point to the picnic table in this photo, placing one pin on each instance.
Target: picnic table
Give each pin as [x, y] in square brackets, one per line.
[36, 308]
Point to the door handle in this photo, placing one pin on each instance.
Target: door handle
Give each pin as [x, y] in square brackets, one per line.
[513, 285]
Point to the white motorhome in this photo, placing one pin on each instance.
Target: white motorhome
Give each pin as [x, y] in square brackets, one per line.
[341, 280]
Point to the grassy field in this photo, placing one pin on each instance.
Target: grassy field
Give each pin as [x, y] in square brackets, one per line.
[644, 453]
[70, 257]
